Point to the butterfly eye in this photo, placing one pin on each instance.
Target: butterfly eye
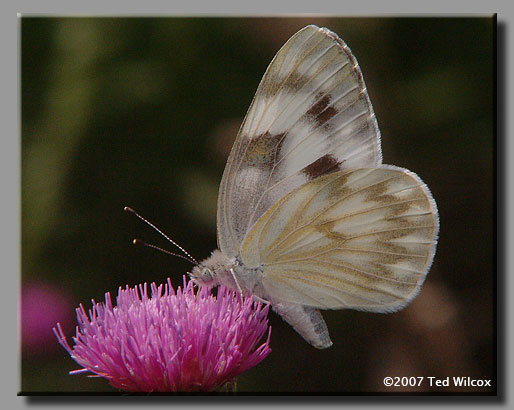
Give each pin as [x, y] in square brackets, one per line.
[207, 274]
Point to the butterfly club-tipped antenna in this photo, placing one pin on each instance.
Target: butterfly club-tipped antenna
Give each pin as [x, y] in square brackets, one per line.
[139, 242]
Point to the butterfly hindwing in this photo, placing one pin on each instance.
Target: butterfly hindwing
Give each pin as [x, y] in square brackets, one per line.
[361, 239]
[311, 115]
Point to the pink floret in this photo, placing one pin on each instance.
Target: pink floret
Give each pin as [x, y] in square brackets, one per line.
[170, 342]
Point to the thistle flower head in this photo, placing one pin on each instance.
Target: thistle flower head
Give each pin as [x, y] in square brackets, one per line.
[171, 341]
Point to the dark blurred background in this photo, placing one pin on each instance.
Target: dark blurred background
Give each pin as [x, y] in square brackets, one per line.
[143, 112]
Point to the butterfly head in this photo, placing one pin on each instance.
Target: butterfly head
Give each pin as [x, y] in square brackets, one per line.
[203, 275]
[211, 271]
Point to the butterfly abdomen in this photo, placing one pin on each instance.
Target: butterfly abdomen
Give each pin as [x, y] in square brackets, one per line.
[307, 321]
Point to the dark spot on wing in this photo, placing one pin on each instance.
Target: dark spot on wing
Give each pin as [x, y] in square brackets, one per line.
[292, 82]
[321, 112]
[324, 165]
[317, 108]
[263, 150]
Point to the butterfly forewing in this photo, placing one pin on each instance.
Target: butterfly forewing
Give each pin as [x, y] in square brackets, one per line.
[360, 239]
[311, 116]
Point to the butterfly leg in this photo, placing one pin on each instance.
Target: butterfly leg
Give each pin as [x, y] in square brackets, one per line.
[257, 298]
[237, 282]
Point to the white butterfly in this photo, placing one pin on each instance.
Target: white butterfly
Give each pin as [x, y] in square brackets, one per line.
[308, 216]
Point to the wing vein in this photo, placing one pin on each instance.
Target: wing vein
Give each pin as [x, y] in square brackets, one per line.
[365, 273]
[303, 207]
[363, 250]
[358, 191]
[328, 286]
[376, 208]
[310, 222]
[305, 294]
[389, 230]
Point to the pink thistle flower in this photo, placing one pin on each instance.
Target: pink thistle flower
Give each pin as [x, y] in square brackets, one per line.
[169, 342]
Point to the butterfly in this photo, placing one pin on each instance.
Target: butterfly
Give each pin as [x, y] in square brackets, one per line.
[308, 216]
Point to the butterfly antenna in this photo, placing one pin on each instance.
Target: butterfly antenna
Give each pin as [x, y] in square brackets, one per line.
[140, 242]
[130, 210]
